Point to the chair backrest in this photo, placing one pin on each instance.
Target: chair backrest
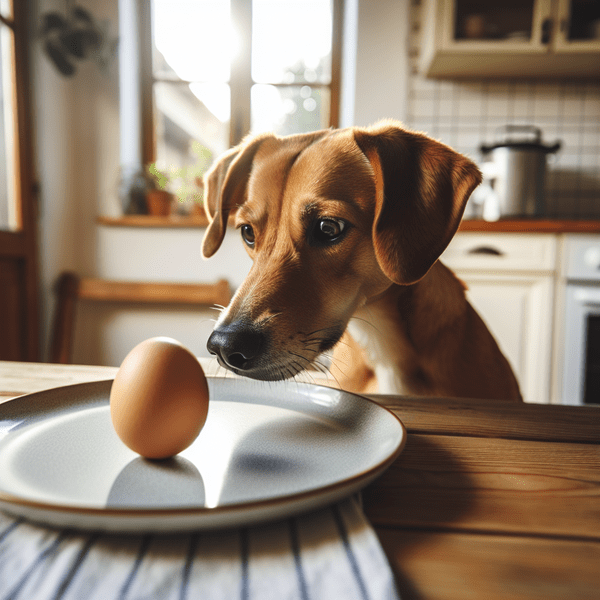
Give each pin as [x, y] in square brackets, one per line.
[70, 288]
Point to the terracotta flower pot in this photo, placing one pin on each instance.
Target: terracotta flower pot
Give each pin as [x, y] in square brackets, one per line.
[198, 210]
[159, 202]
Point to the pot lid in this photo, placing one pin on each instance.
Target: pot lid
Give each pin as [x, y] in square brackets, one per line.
[520, 137]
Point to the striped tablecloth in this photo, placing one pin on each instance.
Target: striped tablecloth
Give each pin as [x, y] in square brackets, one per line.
[329, 554]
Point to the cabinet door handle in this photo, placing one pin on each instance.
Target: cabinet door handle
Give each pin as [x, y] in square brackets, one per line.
[486, 251]
[546, 31]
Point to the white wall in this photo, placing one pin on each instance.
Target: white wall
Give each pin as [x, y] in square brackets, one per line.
[106, 333]
[382, 68]
[77, 145]
[76, 136]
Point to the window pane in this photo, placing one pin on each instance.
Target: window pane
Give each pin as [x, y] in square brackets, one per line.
[507, 20]
[193, 39]
[6, 9]
[8, 208]
[289, 109]
[190, 119]
[584, 23]
[291, 41]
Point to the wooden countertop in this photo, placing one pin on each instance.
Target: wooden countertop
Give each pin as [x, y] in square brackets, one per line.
[492, 501]
[502, 226]
[487, 500]
[531, 226]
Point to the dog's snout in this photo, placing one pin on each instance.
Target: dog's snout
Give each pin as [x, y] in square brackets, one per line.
[237, 346]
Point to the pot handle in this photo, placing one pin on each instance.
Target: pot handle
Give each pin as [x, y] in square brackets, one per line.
[507, 130]
[487, 148]
[553, 149]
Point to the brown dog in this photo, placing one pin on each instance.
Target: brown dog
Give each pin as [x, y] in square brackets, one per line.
[350, 223]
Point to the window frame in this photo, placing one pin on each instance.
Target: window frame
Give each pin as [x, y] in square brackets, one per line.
[18, 246]
[241, 74]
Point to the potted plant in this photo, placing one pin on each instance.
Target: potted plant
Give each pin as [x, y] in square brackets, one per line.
[187, 182]
[159, 200]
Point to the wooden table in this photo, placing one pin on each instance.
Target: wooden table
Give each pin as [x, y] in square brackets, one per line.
[486, 501]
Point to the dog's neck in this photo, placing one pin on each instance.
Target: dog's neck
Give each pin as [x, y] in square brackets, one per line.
[378, 351]
[394, 328]
[376, 331]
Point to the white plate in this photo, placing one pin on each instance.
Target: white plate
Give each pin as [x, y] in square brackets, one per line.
[267, 451]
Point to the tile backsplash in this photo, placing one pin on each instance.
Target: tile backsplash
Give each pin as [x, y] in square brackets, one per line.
[466, 114]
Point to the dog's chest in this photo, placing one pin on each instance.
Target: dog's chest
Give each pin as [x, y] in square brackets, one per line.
[383, 351]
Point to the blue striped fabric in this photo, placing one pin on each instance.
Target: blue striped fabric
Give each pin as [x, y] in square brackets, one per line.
[329, 554]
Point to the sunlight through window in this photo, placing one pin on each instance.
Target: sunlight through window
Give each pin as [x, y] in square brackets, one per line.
[212, 83]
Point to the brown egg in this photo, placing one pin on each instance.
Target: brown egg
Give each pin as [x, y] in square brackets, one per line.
[159, 398]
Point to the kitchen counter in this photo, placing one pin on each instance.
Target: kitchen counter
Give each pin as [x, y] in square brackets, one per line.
[531, 226]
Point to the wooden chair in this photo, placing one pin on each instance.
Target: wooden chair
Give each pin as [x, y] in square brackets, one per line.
[70, 288]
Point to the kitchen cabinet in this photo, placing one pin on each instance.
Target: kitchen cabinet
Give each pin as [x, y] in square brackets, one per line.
[514, 38]
[511, 282]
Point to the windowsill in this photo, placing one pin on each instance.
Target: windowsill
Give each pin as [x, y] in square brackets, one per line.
[152, 221]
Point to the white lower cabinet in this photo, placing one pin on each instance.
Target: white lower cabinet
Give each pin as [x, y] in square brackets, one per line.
[511, 281]
[517, 309]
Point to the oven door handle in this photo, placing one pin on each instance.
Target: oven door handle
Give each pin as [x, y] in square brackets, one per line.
[485, 251]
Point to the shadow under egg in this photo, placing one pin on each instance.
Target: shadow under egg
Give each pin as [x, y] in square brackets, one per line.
[168, 483]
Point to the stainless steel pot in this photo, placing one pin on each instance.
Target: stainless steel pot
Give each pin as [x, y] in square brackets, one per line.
[514, 170]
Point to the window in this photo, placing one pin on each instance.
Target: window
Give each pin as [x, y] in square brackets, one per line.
[219, 69]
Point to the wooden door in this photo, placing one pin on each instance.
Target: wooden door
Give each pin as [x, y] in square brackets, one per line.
[19, 319]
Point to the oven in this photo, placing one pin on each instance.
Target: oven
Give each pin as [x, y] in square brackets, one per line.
[581, 348]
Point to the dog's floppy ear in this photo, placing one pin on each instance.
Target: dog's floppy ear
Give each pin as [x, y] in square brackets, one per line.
[422, 187]
[226, 182]
[225, 188]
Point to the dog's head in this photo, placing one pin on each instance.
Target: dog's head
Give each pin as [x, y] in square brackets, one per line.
[330, 219]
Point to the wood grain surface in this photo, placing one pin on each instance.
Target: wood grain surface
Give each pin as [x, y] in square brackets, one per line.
[485, 484]
[463, 566]
[491, 501]
[482, 418]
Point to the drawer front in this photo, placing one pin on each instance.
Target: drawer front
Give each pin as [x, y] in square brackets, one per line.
[501, 252]
[582, 257]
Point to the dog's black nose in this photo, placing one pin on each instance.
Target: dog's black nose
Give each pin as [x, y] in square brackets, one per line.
[237, 345]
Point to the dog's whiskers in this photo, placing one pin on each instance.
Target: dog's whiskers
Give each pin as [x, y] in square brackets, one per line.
[330, 328]
[366, 321]
[305, 365]
[268, 318]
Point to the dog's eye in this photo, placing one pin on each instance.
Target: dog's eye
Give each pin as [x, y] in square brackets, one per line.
[328, 230]
[248, 235]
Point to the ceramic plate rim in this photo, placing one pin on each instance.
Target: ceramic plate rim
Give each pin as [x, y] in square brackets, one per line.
[215, 516]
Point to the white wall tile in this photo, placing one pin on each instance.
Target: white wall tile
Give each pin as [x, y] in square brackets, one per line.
[547, 105]
[591, 137]
[466, 114]
[591, 104]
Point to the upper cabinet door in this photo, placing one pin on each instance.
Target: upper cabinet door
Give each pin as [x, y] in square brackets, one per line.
[578, 26]
[513, 25]
[526, 38]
